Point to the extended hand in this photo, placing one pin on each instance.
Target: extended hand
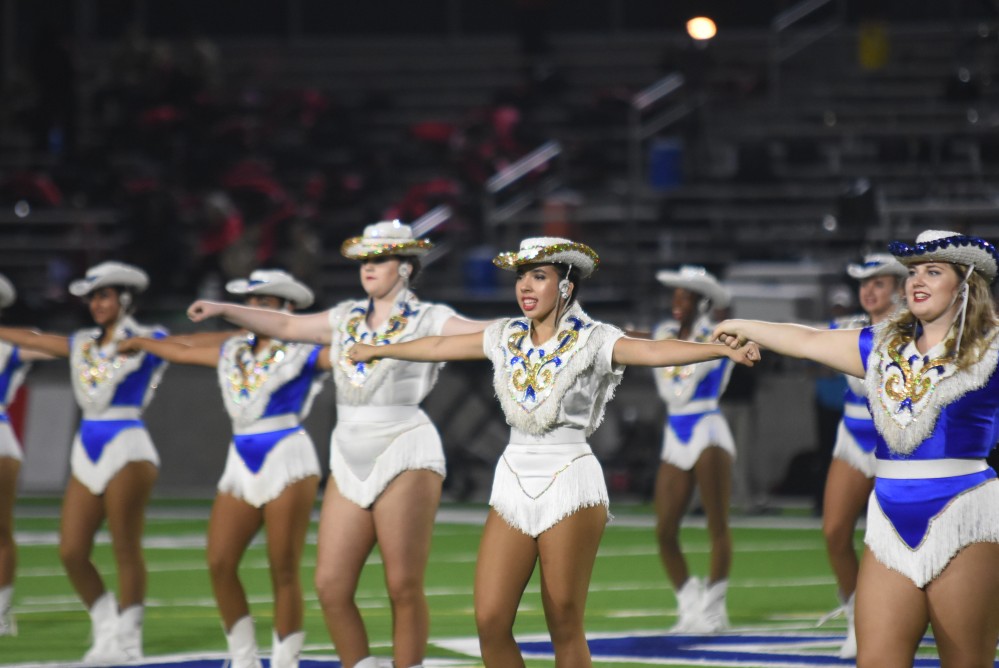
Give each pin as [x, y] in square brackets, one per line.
[748, 354]
[360, 352]
[728, 332]
[203, 309]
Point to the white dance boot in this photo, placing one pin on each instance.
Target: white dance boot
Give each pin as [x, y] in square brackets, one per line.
[285, 653]
[714, 612]
[368, 662]
[849, 648]
[242, 642]
[104, 628]
[8, 625]
[130, 631]
[689, 608]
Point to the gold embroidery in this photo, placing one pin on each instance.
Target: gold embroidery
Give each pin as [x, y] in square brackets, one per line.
[96, 369]
[248, 373]
[535, 377]
[914, 384]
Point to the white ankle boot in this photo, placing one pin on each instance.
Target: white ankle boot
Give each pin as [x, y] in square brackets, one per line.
[8, 625]
[285, 653]
[368, 662]
[104, 628]
[849, 648]
[242, 642]
[689, 608]
[714, 613]
[130, 631]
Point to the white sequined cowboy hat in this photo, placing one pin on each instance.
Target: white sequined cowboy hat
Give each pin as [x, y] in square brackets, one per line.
[877, 264]
[273, 283]
[550, 250]
[385, 238]
[8, 295]
[943, 246]
[117, 274]
[696, 279]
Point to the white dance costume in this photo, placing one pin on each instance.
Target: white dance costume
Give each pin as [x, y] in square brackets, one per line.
[112, 390]
[691, 393]
[933, 493]
[12, 372]
[267, 393]
[856, 435]
[381, 430]
[553, 396]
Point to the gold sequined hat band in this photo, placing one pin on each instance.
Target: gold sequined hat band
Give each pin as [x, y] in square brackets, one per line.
[544, 250]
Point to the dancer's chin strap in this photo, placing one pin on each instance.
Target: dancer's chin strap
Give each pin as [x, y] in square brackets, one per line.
[965, 289]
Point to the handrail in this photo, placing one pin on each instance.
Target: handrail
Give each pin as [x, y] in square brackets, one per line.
[792, 15]
[657, 91]
[785, 20]
[430, 220]
[513, 173]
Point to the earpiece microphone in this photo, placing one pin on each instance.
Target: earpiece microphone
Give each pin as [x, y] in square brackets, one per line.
[405, 270]
[563, 288]
[125, 299]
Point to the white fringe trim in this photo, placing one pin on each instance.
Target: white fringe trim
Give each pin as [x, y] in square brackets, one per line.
[579, 486]
[292, 459]
[905, 439]
[248, 411]
[849, 451]
[576, 363]
[971, 517]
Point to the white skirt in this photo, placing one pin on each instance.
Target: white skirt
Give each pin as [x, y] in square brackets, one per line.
[293, 458]
[129, 445]
[372, 445]
[711, 431]
[9, 446]
[539, 481]
[849, 451]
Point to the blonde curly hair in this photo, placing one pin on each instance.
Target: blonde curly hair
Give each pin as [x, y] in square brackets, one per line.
[980, 325]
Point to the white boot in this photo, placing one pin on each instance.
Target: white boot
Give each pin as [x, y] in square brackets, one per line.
[242, 642]
[689, 607]
[104, 628]
[130, 631]
[849, 648]
[285, 653]
[8, 625]
[368, 662]
[714, 614]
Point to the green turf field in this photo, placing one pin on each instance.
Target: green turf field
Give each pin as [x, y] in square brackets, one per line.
[780, 581]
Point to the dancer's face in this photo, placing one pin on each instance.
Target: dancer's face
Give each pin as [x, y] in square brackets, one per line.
[537, 290]
[932, 289]
[875, 295]
[380, 275]
[105, 307]
[268, 302]
[684, 305]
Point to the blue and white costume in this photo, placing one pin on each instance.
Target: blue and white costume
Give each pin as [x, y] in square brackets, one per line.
[267, 393]
[691, 393]
[381, 430]
[12, 372]
[112, 390]
[856, 435]
[553, 396]
[933, 494]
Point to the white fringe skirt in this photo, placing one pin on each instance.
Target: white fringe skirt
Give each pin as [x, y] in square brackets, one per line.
[9, 446]
[850, 442]
[539, 481]
[291, 459]
[711, 430]
[915, 526]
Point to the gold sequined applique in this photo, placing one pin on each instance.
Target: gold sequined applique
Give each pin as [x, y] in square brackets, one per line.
[95, 368]
[533, 378]
[358, 372]
[248, 372]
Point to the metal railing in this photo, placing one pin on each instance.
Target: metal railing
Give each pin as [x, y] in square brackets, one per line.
[784, 44]
[427, 223]
[495, 211]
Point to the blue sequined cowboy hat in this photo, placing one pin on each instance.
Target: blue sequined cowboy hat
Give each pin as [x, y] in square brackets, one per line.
[8, 295]
[696, 279]
[943, 246]
[550, 250]
[877, 264]
[389, 237]
[117, 274]
[273, 283]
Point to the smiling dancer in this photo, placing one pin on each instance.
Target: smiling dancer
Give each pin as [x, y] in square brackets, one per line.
[555, 368]
[113, 461]
[932, 540]
[386, 457]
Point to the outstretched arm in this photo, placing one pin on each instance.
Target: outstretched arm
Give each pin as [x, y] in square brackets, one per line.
[52, 344]
[215, 339]
[838, 349]
[172, 351]
[311, 328]
[427, 349]
[460, 325]
[672, 352]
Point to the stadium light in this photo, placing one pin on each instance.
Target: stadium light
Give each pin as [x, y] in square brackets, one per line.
[701, 28]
